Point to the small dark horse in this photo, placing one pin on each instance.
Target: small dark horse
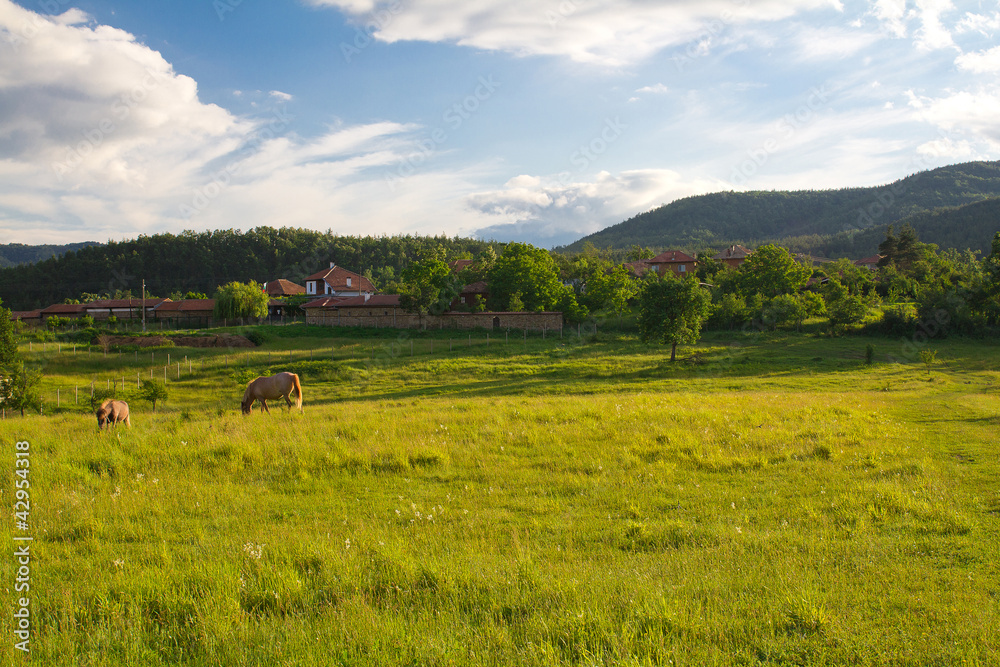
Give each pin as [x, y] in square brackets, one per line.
[111, 413]
[279, 385]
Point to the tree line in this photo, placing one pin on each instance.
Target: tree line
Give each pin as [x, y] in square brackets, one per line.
[200, 262]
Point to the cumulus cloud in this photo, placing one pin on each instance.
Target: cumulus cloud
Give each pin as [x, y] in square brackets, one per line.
[982, 62]
[101, 138]
[612, 33]
[963, 113]
[551, 212]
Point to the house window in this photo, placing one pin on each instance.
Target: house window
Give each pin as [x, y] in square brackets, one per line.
[348, 282]
[463, 299]
[683, 268]
[311, 287]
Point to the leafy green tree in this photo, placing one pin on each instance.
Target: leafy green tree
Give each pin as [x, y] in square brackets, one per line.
[529, 271]
[8, 339]
[730, 312]
[771, 271]
[20, 388]
[612, 289]
[785, 309]
[846, 309]
[235, 300]
[672, 311]
[153, 390]
[428, 285]
[637, 252]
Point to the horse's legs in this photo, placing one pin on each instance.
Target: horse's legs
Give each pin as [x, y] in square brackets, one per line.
[288, 399]
[263, 404]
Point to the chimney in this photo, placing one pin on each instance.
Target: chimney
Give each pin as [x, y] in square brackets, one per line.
[332, 265]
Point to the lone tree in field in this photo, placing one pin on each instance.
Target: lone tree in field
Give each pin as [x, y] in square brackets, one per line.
[153, 390]
[235, 300]
[672, 311]
[19, 388]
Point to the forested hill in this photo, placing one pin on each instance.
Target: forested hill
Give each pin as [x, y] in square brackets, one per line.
[971, 226]
[14, 254]
[202, 261]
[812, 217]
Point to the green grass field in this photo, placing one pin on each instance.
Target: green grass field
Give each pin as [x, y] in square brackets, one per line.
[768, 499]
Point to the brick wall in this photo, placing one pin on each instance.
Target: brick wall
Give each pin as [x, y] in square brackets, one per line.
[396, 318]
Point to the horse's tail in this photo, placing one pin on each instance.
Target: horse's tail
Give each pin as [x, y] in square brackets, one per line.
[298, 391]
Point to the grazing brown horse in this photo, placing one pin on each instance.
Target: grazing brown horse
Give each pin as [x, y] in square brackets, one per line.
[277, 386]
[111, 413]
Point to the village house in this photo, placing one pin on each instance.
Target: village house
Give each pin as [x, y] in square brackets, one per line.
[870, 263]
[69, 310]
[194, 312]
[277, 289]
[470, 294]
[338, 281]
[674, 261]
[733, 256]
[122, 309]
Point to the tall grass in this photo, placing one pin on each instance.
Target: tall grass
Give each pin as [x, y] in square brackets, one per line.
[769, 500]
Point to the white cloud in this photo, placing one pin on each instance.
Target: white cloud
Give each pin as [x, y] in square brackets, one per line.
[656, 89]
[985, 25]
[553, 212]
[612, 33]
[101, 138]
[932, 33]
[964, 113]
[832, 43]
[983, 62]
[892, 14]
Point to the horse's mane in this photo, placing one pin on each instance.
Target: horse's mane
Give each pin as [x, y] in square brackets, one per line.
[107, 402]
[246, 394]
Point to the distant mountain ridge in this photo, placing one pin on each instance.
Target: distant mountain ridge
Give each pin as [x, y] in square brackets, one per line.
[830, 223]
[16, 254]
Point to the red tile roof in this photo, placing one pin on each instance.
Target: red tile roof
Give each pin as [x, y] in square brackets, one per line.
[325, 302]
[734, 252]
[187, 306]
[104, 304]
[282, 287]
[868, 260]
[25, 314]
[460, 265]
[378, 300]
[64, 309]
[671, 257]
[479, 287]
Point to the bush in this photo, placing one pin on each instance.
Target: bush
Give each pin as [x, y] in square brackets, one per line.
[256, 336]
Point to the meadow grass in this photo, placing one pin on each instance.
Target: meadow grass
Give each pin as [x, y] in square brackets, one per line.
[768, 499]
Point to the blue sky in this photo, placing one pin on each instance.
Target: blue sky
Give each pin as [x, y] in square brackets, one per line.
[539, 121]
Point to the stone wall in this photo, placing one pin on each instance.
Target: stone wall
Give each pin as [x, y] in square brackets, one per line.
[396, 318]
